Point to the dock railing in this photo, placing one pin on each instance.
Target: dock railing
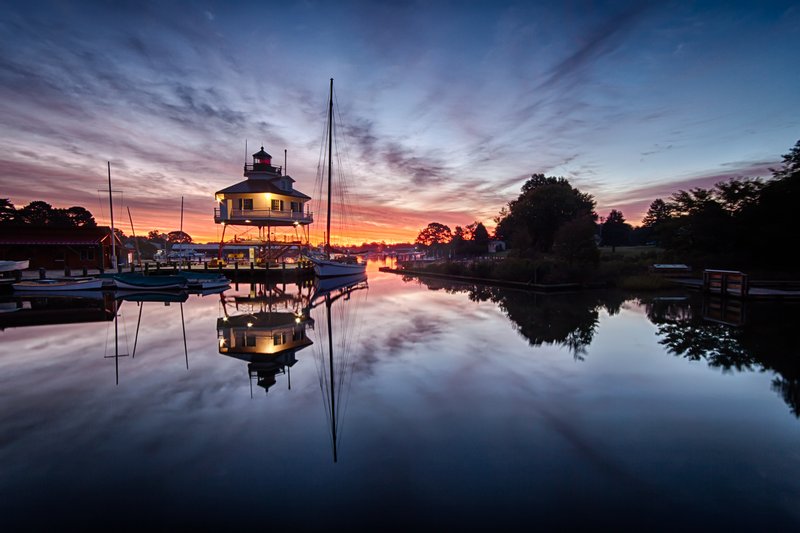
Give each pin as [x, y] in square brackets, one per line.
[726, 283]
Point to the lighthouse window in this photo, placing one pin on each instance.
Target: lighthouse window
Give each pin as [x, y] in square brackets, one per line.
[278, 339]
[297, 207]
[245, 204]
[277, 205]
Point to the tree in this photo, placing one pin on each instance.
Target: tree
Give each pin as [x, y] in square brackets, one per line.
[615, 231]
[545, 204]
[736, 195]
[574, 242]
[658, 213]
[8, 213]
[458, 242]
[480, 238]
[79, 217]
[433, 234]
[36, 213]
[179, 237]
[791, 163]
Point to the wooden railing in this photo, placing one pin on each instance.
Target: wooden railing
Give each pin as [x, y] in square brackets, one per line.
[251, 214]
[726, 282]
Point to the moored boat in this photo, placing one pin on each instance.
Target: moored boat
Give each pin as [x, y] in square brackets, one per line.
[138, 281]
[59, 284]
[346, 266]
[11, 266]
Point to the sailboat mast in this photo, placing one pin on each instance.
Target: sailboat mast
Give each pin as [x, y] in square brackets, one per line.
[330, 171]
[111, 207]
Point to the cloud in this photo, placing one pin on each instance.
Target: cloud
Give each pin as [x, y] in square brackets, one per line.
[635, 202]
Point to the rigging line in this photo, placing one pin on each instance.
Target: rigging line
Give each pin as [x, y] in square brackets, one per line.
[125, 332]
[108, 327]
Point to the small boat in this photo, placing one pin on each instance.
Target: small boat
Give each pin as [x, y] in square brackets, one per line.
[59, 284]
[11, 266]
[329, 266]
[343, 266]
[138, 281]
[204, 280]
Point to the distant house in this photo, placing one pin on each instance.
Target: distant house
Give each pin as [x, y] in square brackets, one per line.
[496, 246]
[56, 248]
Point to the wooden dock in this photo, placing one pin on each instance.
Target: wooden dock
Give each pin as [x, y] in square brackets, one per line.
[735, 284]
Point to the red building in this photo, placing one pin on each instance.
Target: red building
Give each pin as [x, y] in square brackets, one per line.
[56, 248]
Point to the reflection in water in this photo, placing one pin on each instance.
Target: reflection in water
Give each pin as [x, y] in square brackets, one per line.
[65, 307]
[705, 329]
[266, 328]
[339, 333]
[728, 334]
[568, 320]
[496, 430]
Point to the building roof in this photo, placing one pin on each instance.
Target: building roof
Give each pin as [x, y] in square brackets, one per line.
[58, 236]
[254, 186]
[261, 154]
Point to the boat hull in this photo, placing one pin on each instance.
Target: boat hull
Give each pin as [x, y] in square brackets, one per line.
[149, 283]
[52, 285]
[11, 266]
[324, 268]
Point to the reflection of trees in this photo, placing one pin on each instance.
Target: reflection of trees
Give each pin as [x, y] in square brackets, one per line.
[768, 342]
[715, 343]
[568, 320]
[563, 319]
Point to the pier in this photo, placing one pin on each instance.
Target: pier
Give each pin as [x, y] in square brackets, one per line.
[736, 284]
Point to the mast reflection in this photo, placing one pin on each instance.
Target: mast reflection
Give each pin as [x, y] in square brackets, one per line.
[339, 330]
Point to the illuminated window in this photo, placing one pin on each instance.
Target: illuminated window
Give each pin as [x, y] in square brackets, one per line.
[278, 339]
[245, 204]
[277, 205]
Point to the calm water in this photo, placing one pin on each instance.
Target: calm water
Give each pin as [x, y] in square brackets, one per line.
[458, 407]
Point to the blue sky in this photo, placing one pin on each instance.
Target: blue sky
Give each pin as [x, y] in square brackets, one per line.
[448, 106]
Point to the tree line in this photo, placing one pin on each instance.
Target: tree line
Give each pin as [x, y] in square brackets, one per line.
[738, 223]
[40, 214]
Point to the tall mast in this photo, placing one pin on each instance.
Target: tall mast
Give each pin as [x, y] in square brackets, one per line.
[111, 207]
[330, 169]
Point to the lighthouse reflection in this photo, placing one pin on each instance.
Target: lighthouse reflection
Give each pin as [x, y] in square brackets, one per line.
[266, 328]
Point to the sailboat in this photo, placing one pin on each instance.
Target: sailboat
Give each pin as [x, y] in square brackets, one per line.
[328, 265]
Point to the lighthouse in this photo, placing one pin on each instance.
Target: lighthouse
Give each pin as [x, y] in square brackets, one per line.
[265, 199]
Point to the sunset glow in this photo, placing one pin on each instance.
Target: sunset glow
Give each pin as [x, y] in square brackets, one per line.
[628, 103]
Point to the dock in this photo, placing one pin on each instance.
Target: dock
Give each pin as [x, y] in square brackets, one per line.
[736, 284]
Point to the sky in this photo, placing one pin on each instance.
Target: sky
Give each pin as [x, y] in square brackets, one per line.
[447, 107]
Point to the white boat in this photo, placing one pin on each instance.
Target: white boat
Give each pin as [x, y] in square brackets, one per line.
[329, 265]
[326, 268]
[11, 266]
[59, 284]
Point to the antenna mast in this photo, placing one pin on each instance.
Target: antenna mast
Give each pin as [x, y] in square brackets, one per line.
[113, 234]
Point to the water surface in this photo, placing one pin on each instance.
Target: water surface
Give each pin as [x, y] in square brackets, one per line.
[461, 407]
